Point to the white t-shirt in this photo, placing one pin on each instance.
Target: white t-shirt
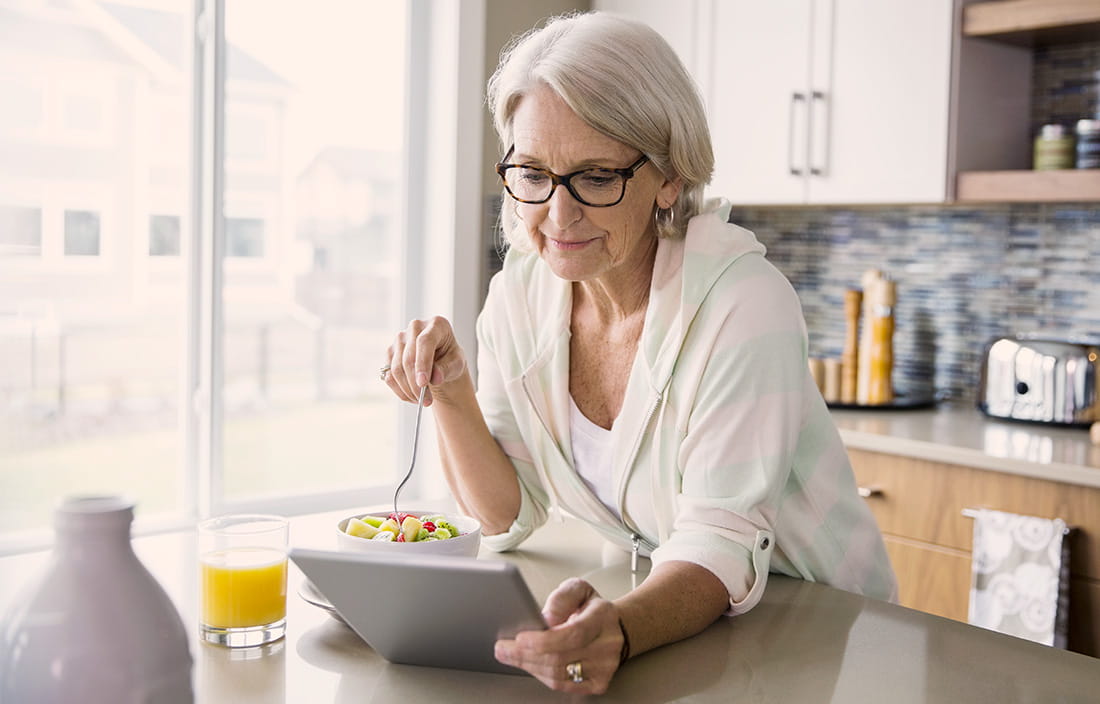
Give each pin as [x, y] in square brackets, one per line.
[592, 456]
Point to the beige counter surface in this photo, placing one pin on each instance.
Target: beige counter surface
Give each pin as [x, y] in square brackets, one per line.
[803, 643]
[962, 435]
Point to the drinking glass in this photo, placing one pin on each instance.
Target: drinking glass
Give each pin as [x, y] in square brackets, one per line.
[243, 563]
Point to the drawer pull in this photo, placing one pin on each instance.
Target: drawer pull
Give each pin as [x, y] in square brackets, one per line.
[869, 491]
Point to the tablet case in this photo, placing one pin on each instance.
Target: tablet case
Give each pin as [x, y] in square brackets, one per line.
[436, 610]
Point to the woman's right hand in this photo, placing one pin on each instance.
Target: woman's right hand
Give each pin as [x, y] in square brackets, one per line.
[425, 352]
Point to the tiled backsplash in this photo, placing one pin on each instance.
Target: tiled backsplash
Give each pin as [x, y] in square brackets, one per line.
[1065, 84]
[964, 276]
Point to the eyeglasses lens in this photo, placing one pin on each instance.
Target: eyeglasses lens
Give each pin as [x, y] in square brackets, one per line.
[591, 187]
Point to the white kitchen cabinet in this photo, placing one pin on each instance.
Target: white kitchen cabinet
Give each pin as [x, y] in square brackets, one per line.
[759, 105]
[818, 101]
[831, 101]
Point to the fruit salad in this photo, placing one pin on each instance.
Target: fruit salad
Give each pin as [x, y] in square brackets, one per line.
[402, 528]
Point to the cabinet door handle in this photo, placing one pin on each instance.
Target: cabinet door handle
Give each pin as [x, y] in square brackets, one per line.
[818, 97]
[868, 492]
[796, 98]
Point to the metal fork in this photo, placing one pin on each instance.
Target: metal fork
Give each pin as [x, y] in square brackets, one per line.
[416, 441]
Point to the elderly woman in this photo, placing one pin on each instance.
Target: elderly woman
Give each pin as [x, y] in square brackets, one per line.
[640, 364]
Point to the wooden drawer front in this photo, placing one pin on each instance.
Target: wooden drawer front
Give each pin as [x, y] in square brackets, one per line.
[931, 579]
[924, 500]
[937, 581]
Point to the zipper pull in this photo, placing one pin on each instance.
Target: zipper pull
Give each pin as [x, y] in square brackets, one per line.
[634, 541]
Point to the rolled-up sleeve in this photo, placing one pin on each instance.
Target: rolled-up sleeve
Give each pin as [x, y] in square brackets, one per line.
[740, 435]
[532, 514]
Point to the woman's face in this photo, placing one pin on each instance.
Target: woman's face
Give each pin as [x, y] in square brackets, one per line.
[581, 242]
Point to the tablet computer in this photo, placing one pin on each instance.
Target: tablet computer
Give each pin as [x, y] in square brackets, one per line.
[437, 610]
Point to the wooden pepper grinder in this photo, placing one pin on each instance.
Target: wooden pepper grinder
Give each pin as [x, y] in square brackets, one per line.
[880, 384]
[849, 359]
[863, 374]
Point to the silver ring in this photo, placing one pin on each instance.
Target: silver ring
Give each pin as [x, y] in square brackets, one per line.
[384, 371]
[574, 672]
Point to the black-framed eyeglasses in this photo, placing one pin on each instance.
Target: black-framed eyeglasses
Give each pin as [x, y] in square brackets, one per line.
[597, 187]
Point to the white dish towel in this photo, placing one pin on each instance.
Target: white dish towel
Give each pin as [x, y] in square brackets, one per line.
[1019, 577]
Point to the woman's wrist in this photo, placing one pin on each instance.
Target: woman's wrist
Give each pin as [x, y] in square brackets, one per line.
[624, 653]
[456, 392]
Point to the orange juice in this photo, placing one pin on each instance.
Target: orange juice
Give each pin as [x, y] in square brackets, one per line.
[243, 587]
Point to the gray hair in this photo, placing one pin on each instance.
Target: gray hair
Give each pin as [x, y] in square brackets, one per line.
[622, 79]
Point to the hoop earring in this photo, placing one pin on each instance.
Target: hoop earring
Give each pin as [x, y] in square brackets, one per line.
[667, 220]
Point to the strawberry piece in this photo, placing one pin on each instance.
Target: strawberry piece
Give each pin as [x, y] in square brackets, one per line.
[429, 525]
[400, 537]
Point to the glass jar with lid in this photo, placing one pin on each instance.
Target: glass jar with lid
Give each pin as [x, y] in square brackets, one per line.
[1053, 148]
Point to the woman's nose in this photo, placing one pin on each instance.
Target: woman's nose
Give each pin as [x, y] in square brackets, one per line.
[564, 210]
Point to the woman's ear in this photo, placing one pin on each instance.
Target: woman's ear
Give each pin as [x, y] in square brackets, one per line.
[669, 192]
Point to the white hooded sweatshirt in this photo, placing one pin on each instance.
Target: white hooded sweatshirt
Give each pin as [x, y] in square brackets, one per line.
[724, 453]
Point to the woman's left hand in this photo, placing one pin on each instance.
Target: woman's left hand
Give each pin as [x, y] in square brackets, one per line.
[583, 639]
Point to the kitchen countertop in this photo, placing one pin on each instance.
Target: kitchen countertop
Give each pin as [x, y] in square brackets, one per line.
[964, 436]
[804, 642]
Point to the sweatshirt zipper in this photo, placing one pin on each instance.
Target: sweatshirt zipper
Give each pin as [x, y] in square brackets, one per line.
[635, 537]
[632, 530]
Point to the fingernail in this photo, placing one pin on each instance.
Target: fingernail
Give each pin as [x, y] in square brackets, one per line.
[421, 379]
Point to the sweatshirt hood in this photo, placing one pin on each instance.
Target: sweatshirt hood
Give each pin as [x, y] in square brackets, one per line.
[684, 272]
[689, 267]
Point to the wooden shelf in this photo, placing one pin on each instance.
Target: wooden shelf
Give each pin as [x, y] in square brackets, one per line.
[1028, 186]
[1033, 22]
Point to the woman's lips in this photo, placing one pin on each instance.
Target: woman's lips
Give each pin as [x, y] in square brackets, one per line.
[569, 246]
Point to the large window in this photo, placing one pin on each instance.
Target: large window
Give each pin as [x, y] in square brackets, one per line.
[124, 377]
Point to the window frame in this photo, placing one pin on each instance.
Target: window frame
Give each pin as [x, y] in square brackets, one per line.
[443, 119]
[445, 113]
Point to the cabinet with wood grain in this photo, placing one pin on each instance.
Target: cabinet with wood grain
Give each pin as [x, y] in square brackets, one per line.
[919, 507]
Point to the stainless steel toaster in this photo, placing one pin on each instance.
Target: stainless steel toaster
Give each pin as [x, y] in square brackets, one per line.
[1040, 379]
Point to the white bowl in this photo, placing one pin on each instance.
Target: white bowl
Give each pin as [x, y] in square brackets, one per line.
[466, 544]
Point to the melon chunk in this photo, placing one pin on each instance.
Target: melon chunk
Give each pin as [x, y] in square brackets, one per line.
[390, 526]
[410, 527]
[360, 529]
